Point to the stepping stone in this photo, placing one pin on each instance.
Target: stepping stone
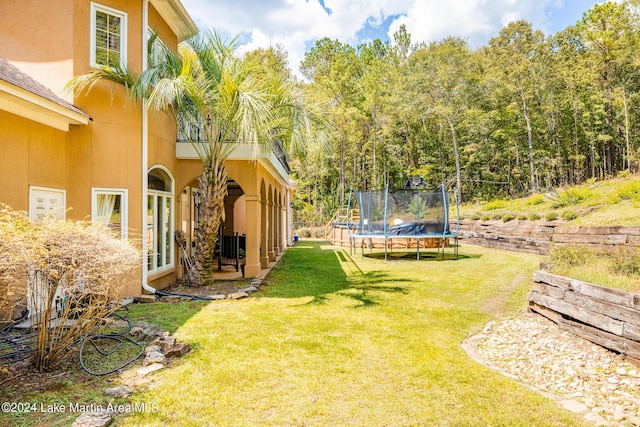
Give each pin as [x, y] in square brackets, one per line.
[237, 295]
[93, 419]
[216, 297]
[122, 391]
[143, 372]
[144, 298]
[154, 357]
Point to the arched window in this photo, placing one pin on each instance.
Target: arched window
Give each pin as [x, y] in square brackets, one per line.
[159, 220]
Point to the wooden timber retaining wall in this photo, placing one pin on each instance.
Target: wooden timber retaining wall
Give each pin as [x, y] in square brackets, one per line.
[537, 237]
[607, 317]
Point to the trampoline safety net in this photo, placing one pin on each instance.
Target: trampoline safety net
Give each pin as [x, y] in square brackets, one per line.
[403, 213]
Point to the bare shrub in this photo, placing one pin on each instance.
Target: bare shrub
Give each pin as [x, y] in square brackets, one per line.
[311, 232]
[14, 229]
[72, 273]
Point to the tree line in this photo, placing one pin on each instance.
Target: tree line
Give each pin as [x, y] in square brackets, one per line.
[525, 113]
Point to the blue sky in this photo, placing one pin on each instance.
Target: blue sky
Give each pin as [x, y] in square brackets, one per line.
[297, 24]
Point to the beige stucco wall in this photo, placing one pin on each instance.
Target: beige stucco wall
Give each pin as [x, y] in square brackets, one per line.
[29, 40]
[30, 154]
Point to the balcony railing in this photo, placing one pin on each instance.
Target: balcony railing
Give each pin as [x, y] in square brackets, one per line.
[191, 132]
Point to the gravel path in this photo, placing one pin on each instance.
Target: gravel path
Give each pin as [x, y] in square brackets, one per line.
[578, 374]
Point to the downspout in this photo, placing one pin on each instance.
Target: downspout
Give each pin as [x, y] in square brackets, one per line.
[145, 152]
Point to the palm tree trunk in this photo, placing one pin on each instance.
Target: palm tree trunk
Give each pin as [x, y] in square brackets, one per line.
[213, 189]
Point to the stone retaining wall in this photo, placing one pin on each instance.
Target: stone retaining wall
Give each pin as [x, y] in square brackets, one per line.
[537, 237]
[607, 317]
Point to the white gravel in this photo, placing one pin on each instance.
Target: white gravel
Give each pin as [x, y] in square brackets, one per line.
[579, 375]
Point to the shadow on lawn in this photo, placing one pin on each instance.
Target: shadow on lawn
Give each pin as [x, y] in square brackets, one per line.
[310, 269]
[169, 317]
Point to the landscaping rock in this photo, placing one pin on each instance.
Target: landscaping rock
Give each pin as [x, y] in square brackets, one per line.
[248, 289]
[148, 332]
[596, 419]
[216, 297]
[122, 391]
[237, 295]
[93, 419]
[140, 324]
[178, 350]
[144, 298]
[256, 282]
[579, 375]
[136, 332]
[574, 406]
[170, 298]
[164, 343]
[152, 332]
[154, 357]
[153, 348]
[143, 372]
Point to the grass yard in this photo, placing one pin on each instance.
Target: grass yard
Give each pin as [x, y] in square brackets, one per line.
[335, 341]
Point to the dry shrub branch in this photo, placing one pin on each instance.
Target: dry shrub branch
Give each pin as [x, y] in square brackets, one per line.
[72, 273]
[14, 231]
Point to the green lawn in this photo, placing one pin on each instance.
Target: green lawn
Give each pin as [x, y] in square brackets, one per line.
[338, 341]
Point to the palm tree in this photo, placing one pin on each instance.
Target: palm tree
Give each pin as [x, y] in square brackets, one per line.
[232, 98]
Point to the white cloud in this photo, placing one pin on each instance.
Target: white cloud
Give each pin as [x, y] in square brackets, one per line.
[297, 23]
[475, 20]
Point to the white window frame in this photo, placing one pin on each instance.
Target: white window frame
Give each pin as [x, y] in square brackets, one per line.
[165, 196]
[62, 214]
[124, 206]
[156, 49]
[96, 7]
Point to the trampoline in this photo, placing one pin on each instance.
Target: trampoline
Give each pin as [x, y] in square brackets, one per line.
[402, 214]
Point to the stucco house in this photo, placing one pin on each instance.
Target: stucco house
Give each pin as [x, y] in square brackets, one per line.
[98, 156]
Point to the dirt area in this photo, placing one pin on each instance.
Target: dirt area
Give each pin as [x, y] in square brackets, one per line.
[18, 377]
[225, 287]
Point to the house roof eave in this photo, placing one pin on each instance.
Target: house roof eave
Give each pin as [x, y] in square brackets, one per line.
[177, 17]
[19, 101]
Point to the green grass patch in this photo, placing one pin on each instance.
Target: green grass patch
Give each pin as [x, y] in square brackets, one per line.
[569, 215]
[333, 339]
[508, 217]
[536, 199]
[617, 267]
[495, 204]
[629, 191]
[574, 196]
[169, 317]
